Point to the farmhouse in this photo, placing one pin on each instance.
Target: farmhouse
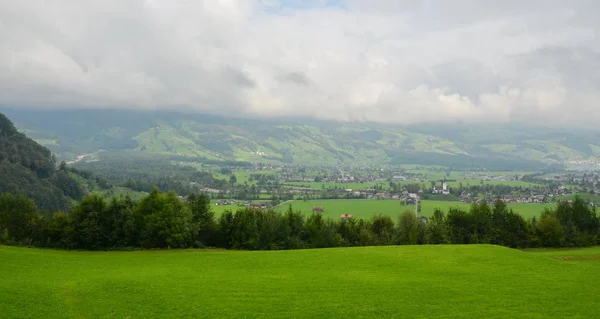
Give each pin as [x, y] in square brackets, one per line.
[258, 206]
[264, 204]
[226, 202]
[409, 198]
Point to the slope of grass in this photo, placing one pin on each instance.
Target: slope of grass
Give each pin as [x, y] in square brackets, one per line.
[369, 282]
[571, 254]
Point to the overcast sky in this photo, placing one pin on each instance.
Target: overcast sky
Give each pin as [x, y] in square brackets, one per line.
[384, 61]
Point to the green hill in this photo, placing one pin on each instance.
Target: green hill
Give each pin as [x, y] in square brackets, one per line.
[29, 168]
[301, 141]
[475, 281]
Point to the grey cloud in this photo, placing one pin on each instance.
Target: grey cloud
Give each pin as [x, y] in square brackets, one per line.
[239, 78]
[388, 61]
[579, 68]
[466, 77]
[297, 78]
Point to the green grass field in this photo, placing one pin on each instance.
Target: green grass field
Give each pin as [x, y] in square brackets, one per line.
[353, 186]
[474, 182]
[220, 209]
[244, 176]
[385, 185]
[360, 208]
[369, 207]
[586, 196]
[453, 281]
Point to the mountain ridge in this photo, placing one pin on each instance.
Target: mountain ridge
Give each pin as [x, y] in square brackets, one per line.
[310, 142]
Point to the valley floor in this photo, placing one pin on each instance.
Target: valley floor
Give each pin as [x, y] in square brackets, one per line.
[453, 281]
[367, 208]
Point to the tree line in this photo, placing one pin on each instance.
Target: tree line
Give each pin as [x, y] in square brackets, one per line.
[163, 220]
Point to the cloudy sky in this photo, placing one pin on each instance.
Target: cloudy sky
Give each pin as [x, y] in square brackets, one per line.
[385, 61]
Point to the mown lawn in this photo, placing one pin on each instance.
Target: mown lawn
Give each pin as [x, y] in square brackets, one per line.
[453, 281]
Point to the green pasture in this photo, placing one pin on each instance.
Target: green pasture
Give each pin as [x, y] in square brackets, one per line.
[366, 208]
[586, 196]
[475, 182]
[448, 281]
[464, 178]
[219, 209]
[353, 186]
[370, 185]
[359, 208]
[243, 176]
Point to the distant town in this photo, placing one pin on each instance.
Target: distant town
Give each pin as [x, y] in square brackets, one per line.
[408, 185]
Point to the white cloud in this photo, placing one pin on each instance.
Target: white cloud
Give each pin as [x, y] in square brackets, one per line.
[386, 61]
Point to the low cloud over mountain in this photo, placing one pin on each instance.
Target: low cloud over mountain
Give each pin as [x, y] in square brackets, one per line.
[383, 61]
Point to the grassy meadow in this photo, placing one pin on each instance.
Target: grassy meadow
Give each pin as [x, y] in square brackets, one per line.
[219, 209]
[426, 175]
[474, 182]
[589, 197]
[366, 208]
[353, 186]
[361, 208]
[457, 281]
[370, 185]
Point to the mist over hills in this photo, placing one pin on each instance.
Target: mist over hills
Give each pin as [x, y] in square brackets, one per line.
[70, 133]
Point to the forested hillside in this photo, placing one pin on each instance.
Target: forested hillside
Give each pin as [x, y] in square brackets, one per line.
[142, 172]
[30, 169]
